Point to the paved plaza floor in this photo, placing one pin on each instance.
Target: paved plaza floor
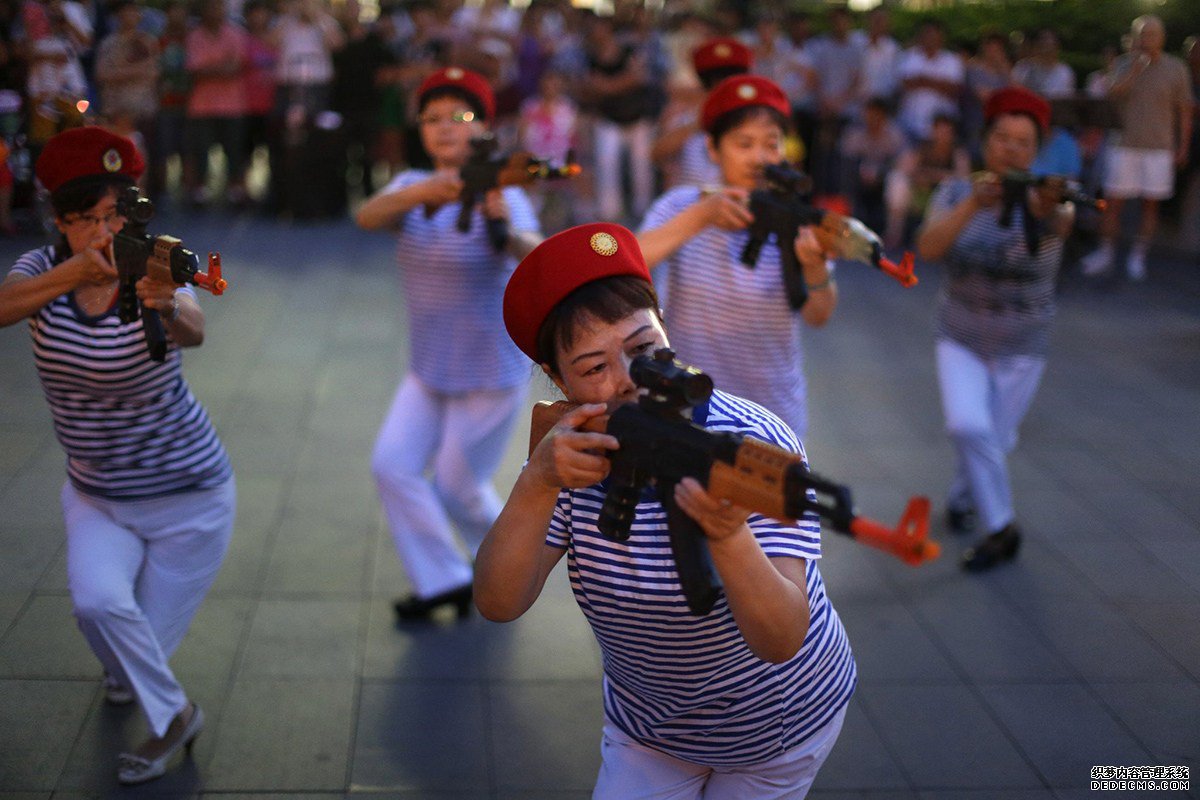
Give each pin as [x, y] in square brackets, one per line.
[1007, 686]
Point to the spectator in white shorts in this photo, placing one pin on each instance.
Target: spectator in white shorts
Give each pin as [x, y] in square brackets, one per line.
[1154, 101]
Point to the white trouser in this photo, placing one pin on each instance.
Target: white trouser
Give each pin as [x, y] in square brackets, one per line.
[611, 139]
[463, 438]
[138, 571]
[984, 402]
[632, 771]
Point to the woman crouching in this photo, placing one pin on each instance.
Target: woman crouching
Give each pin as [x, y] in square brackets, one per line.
[753, 703]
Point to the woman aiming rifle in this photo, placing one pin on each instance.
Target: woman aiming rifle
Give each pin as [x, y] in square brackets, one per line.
[700, 235]
[149, 500]
[995, 309]
[455, 409]
[744, 701]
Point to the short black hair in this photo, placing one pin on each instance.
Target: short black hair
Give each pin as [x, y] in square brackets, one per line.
[458, 94]
[82, 194]
[732, 119]
[607, 299]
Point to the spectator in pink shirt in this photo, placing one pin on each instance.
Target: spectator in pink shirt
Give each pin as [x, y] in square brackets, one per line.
[216, 57]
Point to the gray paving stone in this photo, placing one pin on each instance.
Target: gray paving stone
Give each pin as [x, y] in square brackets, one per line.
[28, 553]
[1100, 643]
[1125, 572]
[11, 604]
[303, 639]
[990, 794]
[284, 736]
[1162, 716]
[402, 741]
[33, 755]
[945, 738]
[989, 642]
[311, 556]
[860, 759]
[44, 643]
[1063, 730]
[210, 649]
[545, 735]
[891, 648]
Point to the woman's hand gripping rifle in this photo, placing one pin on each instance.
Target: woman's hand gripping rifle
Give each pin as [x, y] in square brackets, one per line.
[782, 207]
[1014, 187]
[660, 446]
[137, 254]
[483, 172]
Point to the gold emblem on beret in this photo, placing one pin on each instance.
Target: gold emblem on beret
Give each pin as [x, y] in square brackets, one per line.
[747, 91]
[722, 51]
[454, 74]
[111, 160]
[603, 243]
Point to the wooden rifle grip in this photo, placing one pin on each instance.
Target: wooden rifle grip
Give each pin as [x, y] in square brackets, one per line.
[547, 414]
[756, 480]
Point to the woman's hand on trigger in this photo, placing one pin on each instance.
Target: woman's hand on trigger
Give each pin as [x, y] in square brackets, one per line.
[494, 206]
[808, 247]
[728, 208]
[719, 519]
[444, 186]
[568, 458]
[94, 268]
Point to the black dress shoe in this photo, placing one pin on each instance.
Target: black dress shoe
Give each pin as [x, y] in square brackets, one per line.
[999, 547]
[413, 608]
[960, 520]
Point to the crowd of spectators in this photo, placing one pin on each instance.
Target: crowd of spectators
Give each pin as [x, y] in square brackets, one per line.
[324, 95]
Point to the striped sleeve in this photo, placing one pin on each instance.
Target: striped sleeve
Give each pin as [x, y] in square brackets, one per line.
[521, 215]
[948, 194]
[559, 534]
[33, 263]
[667, 206]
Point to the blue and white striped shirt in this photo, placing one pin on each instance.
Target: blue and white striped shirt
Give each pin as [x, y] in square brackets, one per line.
[996, 298]
[685, 685]
[732, 321]
[130, 426]
[454, 288]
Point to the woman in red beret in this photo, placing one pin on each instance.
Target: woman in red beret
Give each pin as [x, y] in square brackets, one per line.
[149, 500]
[745, 701]
[455, 409]
[995, 310]
[697, 236]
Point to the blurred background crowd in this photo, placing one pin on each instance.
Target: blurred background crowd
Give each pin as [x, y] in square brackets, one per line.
[298, 107]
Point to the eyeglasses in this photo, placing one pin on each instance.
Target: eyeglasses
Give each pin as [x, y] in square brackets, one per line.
[90, 220]
[458, 117]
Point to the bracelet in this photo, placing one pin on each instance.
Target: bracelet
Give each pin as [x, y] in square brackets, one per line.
[816, 287]
[173, 314]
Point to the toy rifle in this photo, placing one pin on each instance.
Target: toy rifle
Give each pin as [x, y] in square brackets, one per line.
[1013, 194]
[782, 207]
[137, 254]
[660, 446]
[483, 172]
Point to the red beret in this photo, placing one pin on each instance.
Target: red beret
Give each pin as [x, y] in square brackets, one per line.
[1017, 100]
[87, 152]
[559, 266]
[472, 84]
[741, 91]
[722, 52]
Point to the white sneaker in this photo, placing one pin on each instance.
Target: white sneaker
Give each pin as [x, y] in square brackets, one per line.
[1135, 267]
[1097, 262]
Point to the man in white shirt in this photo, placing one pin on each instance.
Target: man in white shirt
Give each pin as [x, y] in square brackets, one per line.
[931, 79]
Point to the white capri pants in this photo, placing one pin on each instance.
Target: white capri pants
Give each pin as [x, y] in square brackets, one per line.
[632, 771]
[462, 437]
[137, 571]
[984, 402]
[611, 140]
